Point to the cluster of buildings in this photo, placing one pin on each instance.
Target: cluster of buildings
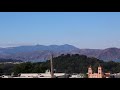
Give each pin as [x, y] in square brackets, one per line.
[116, 75]
[49, 74]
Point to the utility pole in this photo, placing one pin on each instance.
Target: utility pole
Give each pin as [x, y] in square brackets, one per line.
[51, 64]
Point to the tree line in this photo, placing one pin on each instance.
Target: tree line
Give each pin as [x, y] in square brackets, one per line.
[64, 63]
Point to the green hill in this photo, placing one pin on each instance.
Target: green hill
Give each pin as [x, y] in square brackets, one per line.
[80, 63]
[64, 63]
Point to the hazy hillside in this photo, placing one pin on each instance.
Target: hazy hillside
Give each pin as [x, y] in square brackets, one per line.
[36, 53]
[42, 53]
[64, 63]
[110, 54]
[9, 60]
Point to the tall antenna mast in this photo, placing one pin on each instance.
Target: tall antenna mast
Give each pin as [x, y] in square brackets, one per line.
[51, 64]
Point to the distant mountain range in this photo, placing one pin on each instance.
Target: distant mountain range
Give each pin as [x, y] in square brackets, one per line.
[38, 53]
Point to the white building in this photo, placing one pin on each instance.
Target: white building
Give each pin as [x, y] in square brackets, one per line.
[6, 76]
[77, 76]
[40, 75]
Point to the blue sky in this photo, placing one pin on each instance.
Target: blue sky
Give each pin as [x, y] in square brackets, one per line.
[81, 29]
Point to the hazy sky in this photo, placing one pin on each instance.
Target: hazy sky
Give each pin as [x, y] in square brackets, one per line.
[81, 29]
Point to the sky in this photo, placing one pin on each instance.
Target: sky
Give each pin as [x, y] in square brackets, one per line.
[95, 30]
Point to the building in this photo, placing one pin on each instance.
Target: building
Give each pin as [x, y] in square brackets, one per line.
[107, 75]
[77, 76]
[47, 74]
[99, 74]
[115, 75]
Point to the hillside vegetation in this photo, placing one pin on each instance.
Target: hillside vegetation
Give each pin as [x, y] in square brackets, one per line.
[64, 63]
